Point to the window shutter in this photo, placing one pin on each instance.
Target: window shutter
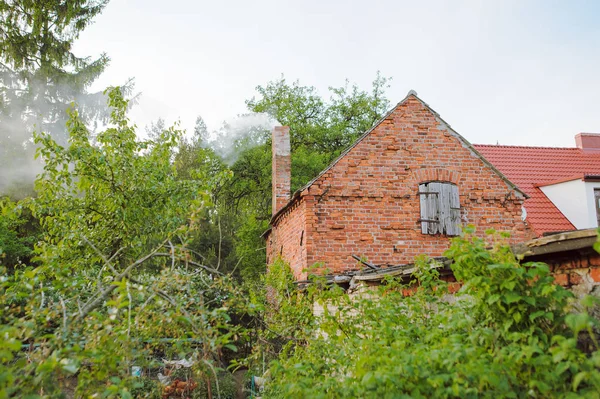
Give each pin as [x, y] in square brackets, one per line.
[444, 201]
[454, 229]
[429, 208]
[424, 211]
[440, 208]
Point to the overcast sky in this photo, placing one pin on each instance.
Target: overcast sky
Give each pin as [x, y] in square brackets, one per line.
[513, 72]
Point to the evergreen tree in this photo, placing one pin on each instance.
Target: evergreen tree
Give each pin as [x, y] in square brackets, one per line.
[40, 76]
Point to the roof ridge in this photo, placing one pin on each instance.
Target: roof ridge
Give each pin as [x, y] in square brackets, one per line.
[526, 146]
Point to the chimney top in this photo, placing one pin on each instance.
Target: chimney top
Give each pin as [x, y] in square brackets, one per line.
[588, 141]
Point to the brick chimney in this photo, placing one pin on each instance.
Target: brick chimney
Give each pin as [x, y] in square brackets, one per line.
[588, 141]
[282, 167]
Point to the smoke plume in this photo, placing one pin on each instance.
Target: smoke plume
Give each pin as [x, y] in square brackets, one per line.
[241, 133]
[44, 109]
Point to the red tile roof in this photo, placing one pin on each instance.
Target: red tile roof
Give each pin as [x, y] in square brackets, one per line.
[531, 167]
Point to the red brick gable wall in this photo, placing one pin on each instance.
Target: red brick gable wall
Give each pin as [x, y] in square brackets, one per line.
[367, 203]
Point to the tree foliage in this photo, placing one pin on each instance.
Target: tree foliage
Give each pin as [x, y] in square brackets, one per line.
[19, 232]
[320, 130]
[40, 77]
[116, 285]
[116, 192]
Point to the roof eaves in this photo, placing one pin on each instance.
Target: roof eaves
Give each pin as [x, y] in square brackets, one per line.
[591, 177]
[556, 243]
[280, 212]
[528, 147]
[563, 180]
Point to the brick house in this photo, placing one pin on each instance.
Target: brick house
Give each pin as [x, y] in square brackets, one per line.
[401, 190]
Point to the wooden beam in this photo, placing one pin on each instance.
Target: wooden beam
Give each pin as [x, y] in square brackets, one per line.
[553, 247]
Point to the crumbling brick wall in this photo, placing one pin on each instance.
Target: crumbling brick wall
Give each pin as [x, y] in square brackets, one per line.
[368, 204]
[577, 270]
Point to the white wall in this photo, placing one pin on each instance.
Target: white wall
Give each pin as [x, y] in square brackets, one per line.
[591, 208]
[572, 199]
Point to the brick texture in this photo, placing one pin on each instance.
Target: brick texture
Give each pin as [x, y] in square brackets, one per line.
[289, 240]
[574, 268]
[281, 167]
[367, 203]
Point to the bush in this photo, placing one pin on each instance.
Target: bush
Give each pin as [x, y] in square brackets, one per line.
[507, 334]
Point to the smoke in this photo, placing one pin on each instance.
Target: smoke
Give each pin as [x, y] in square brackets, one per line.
[241, 133]
[42, 107]
[38, 106]
[18, 170]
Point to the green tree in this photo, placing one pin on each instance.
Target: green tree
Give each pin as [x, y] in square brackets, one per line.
[19, 232]
[115, 192]
[320, 130]
[40, 77]
[116, 285]
[197, 159]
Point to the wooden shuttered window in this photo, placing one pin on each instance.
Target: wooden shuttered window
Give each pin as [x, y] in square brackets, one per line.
[440, 208]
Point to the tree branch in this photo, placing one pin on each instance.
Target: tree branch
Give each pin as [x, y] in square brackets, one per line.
[96, 300]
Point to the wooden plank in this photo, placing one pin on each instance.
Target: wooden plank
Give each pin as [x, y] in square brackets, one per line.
[408, 270]
[444, 208]
[370, 265]
[569, 235]
[433, 208]
[423, 205]
[454, 211]
[554, 247]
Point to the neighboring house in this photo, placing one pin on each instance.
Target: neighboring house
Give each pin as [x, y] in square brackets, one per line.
[563, 184]
[401, 190]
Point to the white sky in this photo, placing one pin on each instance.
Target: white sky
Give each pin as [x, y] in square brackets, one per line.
[513, 72]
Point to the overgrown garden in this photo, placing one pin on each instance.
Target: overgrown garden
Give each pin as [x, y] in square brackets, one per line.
[509, 332]
[135, 267]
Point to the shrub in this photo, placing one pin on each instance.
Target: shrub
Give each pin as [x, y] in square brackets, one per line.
[507, 334]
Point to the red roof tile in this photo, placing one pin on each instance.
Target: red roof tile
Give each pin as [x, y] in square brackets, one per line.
[531, 167]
